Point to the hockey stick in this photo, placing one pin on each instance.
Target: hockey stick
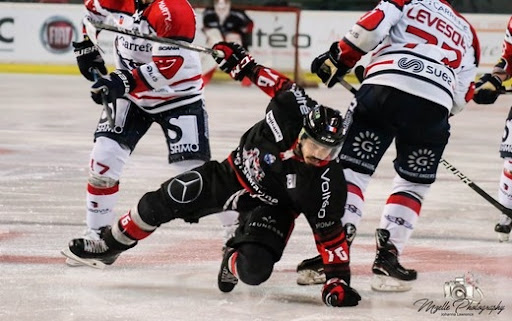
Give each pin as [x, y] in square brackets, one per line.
[454, 170]
[106, 107]
[92, 26]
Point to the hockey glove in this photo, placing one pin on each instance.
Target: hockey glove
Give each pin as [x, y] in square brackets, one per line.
[236, 61]
[117, 84]
[89, 58]
[487, 89]
[336, 293]
[329, 67]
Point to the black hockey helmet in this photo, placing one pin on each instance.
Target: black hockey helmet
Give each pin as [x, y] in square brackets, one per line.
[324, 126]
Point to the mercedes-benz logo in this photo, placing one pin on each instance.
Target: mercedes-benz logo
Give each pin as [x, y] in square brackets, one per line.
[185, 187]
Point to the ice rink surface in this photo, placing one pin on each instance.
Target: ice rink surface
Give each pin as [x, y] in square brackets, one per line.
[45, 140]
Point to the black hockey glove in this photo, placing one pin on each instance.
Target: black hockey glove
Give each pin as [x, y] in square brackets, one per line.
[329, 67]
[336, 293]
[117, 84]
[89, 58]
[487, 89]
[236, 61]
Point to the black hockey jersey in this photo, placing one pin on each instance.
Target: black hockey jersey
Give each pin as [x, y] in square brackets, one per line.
[267, 167]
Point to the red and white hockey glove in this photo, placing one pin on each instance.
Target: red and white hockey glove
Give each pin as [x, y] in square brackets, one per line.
[236, 61]
[487, 89]
[329, 67]
[336, 293]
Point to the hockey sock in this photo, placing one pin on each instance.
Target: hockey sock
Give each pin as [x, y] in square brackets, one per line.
[399, 217]
[131, 228]
[354, 206]
[356, 186]
[100, 204]
[505, 188]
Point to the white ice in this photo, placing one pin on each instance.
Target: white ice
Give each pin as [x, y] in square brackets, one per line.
[45, 138]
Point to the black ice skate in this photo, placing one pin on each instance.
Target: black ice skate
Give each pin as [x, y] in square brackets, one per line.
[503, 228]
[96, 253]
[226, 281]
[389, 275]
[311, 271]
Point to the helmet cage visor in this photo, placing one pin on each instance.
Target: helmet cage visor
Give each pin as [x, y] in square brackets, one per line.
[311, 147]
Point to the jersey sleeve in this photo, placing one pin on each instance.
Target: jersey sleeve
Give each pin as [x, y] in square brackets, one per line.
[465, 86]
[504, 65]
[323, 206]
[269, 80]
[170, 64]
[370, 30]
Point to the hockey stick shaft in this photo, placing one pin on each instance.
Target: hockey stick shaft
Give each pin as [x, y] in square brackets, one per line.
[138, 34]
[475, 187]
[456, 172]
[106, 107]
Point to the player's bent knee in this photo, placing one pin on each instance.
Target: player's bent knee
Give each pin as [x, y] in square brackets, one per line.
[153, 209]
[254, 263]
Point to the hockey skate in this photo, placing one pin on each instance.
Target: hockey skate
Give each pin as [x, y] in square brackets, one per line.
[96, 253]
[311, 271]
[226, 281]
[503, 228]
[89, 234]
[389, 275]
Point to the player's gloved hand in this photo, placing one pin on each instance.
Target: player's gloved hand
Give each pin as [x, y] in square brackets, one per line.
[115, 85]
[88, 58]
[487, 89]
[336, 293]
[329, 67]
[236, 61]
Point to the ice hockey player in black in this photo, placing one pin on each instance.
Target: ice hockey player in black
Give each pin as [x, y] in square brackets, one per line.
[286, 164]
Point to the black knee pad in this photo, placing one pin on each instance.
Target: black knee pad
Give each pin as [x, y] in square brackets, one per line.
[254, 263]
[153, 209]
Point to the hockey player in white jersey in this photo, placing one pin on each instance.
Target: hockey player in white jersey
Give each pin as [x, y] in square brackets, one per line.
[422, 70]
[488, 88]
[153, 83]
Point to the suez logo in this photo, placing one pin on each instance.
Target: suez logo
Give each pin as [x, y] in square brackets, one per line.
[57, 34]
[6, 24]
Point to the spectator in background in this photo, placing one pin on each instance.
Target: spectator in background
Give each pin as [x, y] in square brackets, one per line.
[223, 23]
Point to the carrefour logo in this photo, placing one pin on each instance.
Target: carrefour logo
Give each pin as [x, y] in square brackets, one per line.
[57, 34]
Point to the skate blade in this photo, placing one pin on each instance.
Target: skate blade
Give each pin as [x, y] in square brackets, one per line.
[72, 263]
[382, 283]
[89, 262]
[503, 237]
[310, 277]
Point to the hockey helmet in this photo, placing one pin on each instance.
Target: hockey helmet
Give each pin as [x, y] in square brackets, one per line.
[324, 126]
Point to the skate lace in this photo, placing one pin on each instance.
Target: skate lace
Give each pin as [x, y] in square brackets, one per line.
[94, 246]
[228, 276]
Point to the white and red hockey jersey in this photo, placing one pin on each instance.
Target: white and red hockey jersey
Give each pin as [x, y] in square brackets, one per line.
[425, 48]
[505, 63]
[166, 76]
